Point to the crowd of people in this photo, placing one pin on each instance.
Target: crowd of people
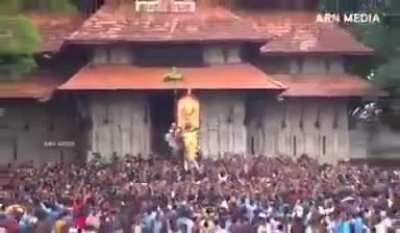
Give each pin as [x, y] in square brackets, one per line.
[234, 194]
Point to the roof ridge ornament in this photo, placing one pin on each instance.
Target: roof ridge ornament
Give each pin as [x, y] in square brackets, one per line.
[174, 75]
[166, 6]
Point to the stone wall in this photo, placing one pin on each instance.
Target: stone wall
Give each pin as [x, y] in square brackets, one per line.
[376, 142]
[231, 122]
[222, 123]
[317, 127]
[120, 124]
[28, 129]
[384, 142]
[314, 126]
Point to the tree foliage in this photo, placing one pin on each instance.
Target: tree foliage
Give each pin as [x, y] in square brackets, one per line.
[18, 6]
[19, 36]
[19, 40]
[384, 67]
[387, 75]
[349, 6]
[336, 6]
[385, 39]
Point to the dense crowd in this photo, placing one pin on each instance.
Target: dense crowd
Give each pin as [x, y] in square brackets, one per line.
[233, 194]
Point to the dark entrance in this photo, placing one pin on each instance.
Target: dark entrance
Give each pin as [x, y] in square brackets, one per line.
[162, 115]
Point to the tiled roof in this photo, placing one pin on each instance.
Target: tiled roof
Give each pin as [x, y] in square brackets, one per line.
[328, 86]
[40, 88]
[287, 31]
[125, 77]
[122, 23]
[54, 28]
[298, 32]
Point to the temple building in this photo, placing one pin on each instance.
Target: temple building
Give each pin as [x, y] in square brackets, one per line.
[268, 78]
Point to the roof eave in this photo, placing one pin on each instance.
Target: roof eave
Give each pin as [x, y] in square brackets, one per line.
[377, 93]
[39, 98]
[322, 52]
[165, 41]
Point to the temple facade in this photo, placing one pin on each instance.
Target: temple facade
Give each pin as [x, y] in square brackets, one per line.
[269, 81]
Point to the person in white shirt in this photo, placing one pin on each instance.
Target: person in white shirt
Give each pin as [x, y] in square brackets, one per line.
[298, 210]
[384, 225]
[222, 228]
[265, 226]
[276, 225]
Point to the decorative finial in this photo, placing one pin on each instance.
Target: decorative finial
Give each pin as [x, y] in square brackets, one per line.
[174, 75]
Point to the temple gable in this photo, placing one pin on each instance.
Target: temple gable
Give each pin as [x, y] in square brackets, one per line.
[175, 6]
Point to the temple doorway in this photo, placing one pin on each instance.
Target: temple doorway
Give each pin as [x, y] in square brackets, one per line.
[162, 107]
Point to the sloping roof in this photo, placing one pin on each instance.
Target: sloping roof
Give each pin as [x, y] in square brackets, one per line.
[328, 86]
[54, 28]
[122, 23]
[40, 88]
[287, 32]
[125, 77]
[298, 32]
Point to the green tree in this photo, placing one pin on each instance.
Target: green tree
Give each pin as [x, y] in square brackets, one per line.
[19, 37]
[18, 6]
[19, 40]
[384, 67]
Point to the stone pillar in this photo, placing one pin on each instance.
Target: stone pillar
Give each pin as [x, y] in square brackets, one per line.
[121, 124]
[222, 128]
